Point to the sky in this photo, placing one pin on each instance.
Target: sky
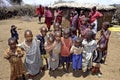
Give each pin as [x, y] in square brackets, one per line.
[47, 2]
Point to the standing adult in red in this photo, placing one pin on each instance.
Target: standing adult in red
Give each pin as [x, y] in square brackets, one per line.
[94, 15]
[48, 18]
[58, 15]
[40, 12]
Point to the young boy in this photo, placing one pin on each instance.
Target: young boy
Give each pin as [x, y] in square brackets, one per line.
[14, 56]
[77, 49]
[83, 27]
[104, 38]
[42, 38]
[14, 33]
[33, 60]
[73, 33]
[57, 49]
[65, 49]
[49, 45]
[89, 45]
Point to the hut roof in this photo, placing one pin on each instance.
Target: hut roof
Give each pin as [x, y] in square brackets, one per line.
[82, 5]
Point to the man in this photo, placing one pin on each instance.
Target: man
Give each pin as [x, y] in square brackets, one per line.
[94, 15]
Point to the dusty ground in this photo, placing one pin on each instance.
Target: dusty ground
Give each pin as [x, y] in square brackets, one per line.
[111, 71]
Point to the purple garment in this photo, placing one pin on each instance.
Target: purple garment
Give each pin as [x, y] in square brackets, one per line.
[74, 21]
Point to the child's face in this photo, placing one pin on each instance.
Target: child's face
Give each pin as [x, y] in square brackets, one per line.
[28, 37]
[77, 44]
[56, 28]
[104, 27]
[12, 44]
[43, 33]
[84, 21]
[88, 36]
[50, 40]
[66, 36]
[58, 37]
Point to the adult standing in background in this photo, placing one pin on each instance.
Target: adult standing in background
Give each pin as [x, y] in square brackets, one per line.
[40, 12]
[94, 15]
[48, 18]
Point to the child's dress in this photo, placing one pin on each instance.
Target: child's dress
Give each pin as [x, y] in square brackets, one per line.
[89, 48]
[16, 64]
[76, 57]
[55, 55]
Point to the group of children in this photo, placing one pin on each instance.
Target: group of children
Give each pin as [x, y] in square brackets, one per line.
[59, 47]
[62, 46]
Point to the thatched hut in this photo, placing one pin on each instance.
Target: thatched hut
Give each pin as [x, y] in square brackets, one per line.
[107, 11]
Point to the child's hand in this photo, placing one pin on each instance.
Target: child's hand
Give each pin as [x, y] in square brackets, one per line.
[53, 59]
[10, 53]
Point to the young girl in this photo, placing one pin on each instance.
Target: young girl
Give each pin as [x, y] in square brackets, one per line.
[65, 49]
[89, 46]
[56, 51]
[33, 59]
[104, 38]
[14, 56]
[42, 38]
[49, 45]
[77, 49]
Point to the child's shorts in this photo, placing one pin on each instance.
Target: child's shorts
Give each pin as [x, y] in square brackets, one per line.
[65, 59]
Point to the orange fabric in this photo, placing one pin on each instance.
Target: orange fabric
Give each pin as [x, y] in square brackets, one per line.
[66, 45]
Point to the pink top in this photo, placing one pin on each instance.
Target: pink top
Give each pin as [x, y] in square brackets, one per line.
[66, 45]
[94, 16]
[48, 13]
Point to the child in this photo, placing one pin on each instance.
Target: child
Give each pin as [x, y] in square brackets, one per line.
[14, 33]
[83, 27]
[80, 20]
[42, 38]
[65, 49]
[33, 60]
[91, 28]
[56, 27]
[56, 51]
[73, 33]
[97, 60]
[49, 45]
[104, 38]
[89, 46]
[77, 49]
[14, 56]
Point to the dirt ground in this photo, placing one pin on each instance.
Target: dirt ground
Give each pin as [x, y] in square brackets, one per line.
[110, 71]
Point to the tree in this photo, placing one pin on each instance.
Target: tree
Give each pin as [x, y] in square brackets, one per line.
[16, 2]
